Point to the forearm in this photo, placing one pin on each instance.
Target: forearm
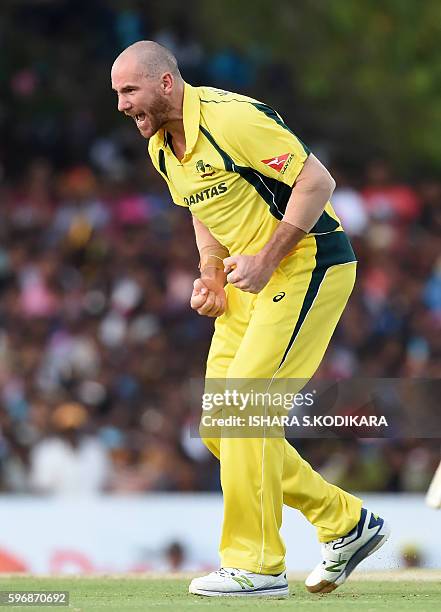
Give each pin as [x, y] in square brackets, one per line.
[211, 254]
[280, 244]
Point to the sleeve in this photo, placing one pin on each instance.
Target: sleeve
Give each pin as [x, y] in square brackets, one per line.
[260, 139]
[157, 156]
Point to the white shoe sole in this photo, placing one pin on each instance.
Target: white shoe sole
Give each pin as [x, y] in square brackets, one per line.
[274, 592]
[368, 548]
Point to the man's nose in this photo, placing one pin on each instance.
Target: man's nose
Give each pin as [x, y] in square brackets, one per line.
[123, 104]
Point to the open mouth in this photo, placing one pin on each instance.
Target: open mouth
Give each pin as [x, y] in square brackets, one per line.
[140, 118]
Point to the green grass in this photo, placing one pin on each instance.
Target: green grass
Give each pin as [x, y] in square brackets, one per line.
[138, 594]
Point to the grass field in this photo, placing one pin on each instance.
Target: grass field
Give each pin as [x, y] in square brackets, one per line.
[416, 591]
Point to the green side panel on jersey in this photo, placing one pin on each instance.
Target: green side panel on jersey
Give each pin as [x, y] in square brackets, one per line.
[275, 193]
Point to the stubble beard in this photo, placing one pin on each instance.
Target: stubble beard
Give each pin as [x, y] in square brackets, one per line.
[159, 114]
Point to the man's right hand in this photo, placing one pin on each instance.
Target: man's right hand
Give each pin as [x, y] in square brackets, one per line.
[208, 297]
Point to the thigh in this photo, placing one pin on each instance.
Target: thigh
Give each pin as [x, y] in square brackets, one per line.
[229, 330]
[276, 310]
[316, 323]
[294, 317]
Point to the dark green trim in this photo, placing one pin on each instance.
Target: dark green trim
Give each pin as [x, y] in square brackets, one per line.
[226, 101]
[161, 161]
[324, 224]
[275, 193]
[228, 162]
[271, 113]
[272, 191]
[267, 110]
[332, 249]
[311, 293]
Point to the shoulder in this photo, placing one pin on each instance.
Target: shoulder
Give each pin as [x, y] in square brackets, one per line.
[218, 104]
[213, 95]
[231, 118]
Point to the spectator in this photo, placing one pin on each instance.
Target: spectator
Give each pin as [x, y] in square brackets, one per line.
[387, 199]
[96, 269]
[69, 462]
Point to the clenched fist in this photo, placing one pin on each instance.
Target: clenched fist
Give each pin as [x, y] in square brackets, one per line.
[249, 273]
[208, 297]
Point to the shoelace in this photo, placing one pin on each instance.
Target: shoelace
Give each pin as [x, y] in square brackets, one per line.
[226, 572]
[329, 546]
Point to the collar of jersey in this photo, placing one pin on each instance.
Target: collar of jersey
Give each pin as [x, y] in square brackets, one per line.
[191, 110]
[191, 115]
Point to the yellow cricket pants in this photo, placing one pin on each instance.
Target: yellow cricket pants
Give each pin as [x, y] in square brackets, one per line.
[260, 338]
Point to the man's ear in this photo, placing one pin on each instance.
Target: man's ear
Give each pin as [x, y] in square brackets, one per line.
[167, 82]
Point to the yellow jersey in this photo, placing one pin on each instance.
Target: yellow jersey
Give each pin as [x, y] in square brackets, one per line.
[240, 164]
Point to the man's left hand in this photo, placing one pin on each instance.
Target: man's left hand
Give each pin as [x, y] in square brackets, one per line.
[248, 272]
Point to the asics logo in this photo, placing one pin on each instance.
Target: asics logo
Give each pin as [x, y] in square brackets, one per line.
[279, 296]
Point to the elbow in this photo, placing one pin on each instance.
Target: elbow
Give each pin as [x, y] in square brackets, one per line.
[315, 177]
[326, 185]
[332, 185]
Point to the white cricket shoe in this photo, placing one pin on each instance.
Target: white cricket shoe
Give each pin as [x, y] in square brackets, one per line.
[341, 556]
[229, 581]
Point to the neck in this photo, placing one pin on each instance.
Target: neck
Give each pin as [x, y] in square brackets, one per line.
[175, 123]
[175, 127]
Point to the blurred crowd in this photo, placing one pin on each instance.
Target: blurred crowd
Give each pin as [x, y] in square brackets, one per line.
[98, 345]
